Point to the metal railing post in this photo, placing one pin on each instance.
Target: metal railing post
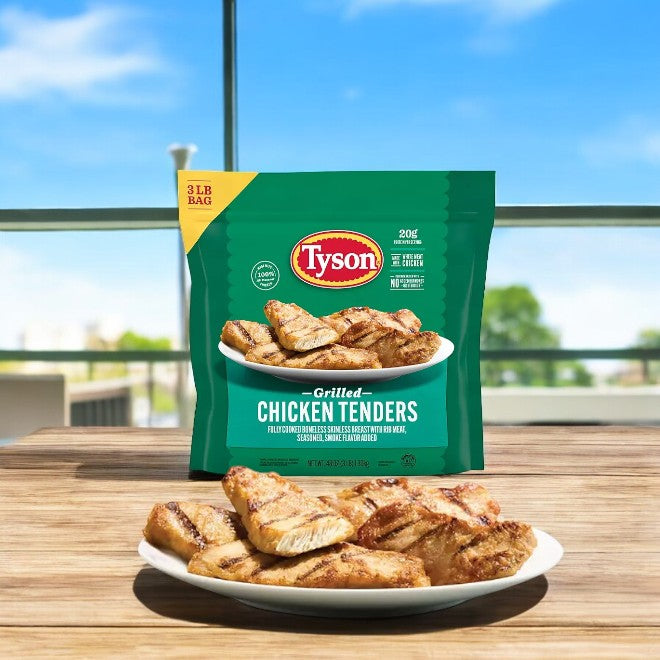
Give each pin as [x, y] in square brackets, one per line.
[150, 392]
[229, 83]
[182, 155]
[646, 371]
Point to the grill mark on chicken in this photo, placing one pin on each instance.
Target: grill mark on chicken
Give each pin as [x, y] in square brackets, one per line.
[310, 330]
[255, 505]
[245, 335]
[273, 521]
[414, 498]
[260, 569]
[321, 564]
[370, 503]
[402, 320]
[281, 323]
[404, 327]
[366, 333]
[392, 533]
[312, 519]
[188, 527]
[296, 328]
[417, 541]
[321, 356]
[271, 353]
[451, 496]
[403, 342]
[395, 318]
[307, 520]
[344, 556]
[340, 565]
[248, 337]
[187, 523]
[325, 357]
[232, 561]
[263, 500]
[466, 546]
[394, 347]
[454, 550]
[468, 502]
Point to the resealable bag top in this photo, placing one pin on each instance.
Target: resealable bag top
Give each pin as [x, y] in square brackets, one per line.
[335, 319]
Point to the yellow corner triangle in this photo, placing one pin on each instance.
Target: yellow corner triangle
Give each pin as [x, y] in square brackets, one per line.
[203, 196]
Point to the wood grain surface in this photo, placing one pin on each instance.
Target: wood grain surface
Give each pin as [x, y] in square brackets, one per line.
[72, 585]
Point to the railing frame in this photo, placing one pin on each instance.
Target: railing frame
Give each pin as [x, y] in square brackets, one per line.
[555, 215]
[147, 356]
[104, 219]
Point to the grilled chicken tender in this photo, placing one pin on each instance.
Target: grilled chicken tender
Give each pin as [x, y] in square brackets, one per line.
[453, 550]
[403, 320]
[297, 329]
[245, 335]
[280, 518]
[187, 527]
[340, 566]
[393, 347]
[470, 502]
[237, 561]
[334, 356]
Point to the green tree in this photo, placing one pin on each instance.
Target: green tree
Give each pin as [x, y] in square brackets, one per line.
[131, 341]
[648, 338]
[512, 318]
[162, 399]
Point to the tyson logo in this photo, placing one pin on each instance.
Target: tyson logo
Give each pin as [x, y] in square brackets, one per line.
[336, 258]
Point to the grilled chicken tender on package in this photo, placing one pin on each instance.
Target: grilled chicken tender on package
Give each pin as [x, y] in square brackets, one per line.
[403, 320]
[245, 335]
[334, 356]
[186, 527]
[340, 566]
[393, 347]
[454, 551]
[297, 329]
[469, 502]
[280, 518]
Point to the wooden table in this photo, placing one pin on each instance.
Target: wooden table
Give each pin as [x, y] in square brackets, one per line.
[74, 502]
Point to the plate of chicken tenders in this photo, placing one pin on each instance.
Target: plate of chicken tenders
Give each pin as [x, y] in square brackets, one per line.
[358, 344]
[385, 547]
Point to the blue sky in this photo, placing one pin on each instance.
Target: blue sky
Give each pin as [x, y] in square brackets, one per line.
[560, 97]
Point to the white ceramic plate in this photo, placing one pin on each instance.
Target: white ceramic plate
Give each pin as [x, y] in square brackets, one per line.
[345, 603]
[338, 375]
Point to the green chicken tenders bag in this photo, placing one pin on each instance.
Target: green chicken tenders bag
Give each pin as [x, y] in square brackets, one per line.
[335, 318]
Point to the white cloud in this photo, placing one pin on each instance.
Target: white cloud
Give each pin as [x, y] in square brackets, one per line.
[497, 10]
[559, 258]
[82, 145]
[636, 139]
[60, 299]
[491, 42]
[601, 316]
[75, 56]
[352, 93]
[598, 285]
[468, 108]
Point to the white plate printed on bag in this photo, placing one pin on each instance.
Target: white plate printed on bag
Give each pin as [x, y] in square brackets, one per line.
[338, 375]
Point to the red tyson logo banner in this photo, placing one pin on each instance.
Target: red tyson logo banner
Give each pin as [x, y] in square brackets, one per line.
[336, 259]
